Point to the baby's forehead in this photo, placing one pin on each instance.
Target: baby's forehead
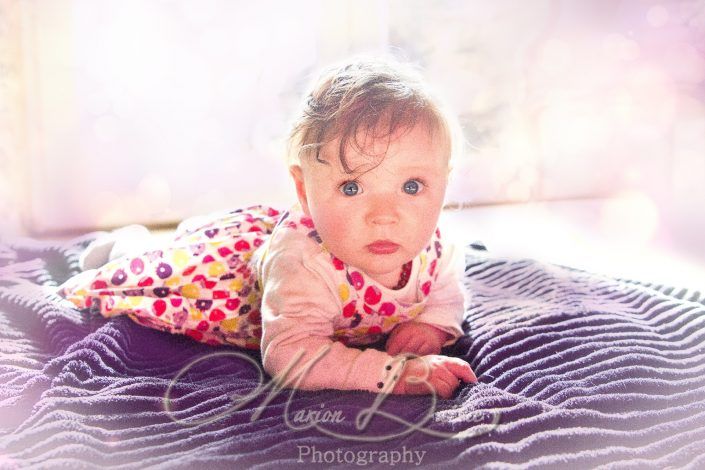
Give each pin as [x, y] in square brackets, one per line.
[418, 147]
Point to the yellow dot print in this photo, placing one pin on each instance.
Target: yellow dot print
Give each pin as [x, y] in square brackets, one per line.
[344, 292]
[180, 258]
[195, 314]
[415, 311]
[236, 284]
[190, 291]
[423, 262]
[173, 281]
[229, 325]
[135, 301]
[216, 269]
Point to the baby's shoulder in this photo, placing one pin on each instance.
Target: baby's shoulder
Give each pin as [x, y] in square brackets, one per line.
[290, 251]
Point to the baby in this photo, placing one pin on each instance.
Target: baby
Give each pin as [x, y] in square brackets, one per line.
[358, 260]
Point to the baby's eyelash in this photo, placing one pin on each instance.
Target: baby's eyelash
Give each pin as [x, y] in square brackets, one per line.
[420, 180]
[340, 183]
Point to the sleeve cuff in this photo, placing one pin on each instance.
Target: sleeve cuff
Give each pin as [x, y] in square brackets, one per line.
[379, 374]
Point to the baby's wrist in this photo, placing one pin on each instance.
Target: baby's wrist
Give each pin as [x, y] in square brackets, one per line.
[399, 377]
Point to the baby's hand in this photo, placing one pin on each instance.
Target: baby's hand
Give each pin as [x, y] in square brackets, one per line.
[417, 338]
[433, 374]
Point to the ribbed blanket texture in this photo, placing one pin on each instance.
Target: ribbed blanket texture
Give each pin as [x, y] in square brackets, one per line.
[578, 369]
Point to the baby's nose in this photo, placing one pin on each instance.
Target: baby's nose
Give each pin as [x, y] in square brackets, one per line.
[382, 211]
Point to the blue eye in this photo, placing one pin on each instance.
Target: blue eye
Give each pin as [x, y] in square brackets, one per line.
[412, 187]
[350, 188]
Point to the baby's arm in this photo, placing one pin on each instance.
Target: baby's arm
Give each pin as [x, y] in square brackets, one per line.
[298, 310]
[298, 353]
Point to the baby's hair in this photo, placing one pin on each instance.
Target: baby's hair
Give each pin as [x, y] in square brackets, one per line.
[377, 95]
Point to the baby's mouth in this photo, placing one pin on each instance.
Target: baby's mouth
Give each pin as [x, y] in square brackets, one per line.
[382, 247]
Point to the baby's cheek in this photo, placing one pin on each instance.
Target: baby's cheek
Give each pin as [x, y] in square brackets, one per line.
[337, 229]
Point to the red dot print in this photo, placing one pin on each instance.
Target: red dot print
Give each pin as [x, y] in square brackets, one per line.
[258, 242]
[255, 229]
[356, 280]
[372, 295]
[426, 288]
[432, 268]
[386, 309]
[159, 307]
[242, 245]
[197, 335]
[99, 285]
[307, 222]
[255, 316]
[175, 301]
[216, 315]
[220, 294]
[349, 309]
[232, 304]
[202, 326]
[145, 281]
[209, 284]
[339, 265]
[272, 212]
[374, 330]
[189, 270]
[438, 233]
[367, 309]
[208, 259]
[224, 251]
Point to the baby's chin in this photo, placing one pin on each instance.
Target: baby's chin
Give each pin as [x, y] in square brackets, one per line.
[382, 265]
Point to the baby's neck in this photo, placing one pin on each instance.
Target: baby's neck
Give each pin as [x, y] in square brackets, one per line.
[390, 280]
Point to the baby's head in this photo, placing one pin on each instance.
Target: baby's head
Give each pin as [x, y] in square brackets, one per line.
[370, 156]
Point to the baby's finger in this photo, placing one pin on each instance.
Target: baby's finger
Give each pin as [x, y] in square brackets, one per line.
[460, 369]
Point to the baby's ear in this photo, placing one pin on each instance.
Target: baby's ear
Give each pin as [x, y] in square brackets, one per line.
[298, 175]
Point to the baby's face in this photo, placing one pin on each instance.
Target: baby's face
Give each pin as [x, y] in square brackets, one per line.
[377, 220]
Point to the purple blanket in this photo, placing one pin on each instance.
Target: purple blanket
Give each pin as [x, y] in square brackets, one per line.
[575, 370]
